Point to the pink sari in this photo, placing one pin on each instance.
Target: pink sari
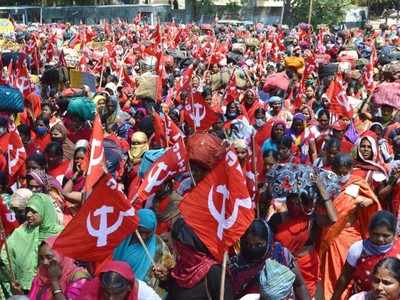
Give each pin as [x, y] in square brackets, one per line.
[41, 286]
[92, 289]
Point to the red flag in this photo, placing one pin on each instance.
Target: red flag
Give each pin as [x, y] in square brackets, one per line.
[219, 208]
[22, 79]
[50, 52]
[198, 114]
[61, 59]
[95, 161]
[170, 164]
[368, 75]
[16, 154]
[8, 221]
[105, 219]
[339, 102]
[231, 92]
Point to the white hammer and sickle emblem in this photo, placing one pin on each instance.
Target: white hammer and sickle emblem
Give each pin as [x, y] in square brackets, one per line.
[155, 174]
[104, 230]
[95, 160]
[199, 112]
[219, 216]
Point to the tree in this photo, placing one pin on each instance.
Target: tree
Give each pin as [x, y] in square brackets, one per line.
[328, 12]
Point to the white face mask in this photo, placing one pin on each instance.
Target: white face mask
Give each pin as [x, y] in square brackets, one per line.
[260, 122]
[3, 130]
[344, 178]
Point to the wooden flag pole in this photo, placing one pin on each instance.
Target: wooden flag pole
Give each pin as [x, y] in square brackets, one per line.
[145, 248]
[310, 11]
[3, 233]
[223, 275]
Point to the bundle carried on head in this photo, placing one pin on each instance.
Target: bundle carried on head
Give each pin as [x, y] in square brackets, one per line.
[82, 107]
[205, 149]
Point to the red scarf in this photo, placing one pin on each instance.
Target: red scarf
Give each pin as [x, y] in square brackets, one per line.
[191, 266]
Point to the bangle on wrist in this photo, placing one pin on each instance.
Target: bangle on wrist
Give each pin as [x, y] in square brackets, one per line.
[58, 291]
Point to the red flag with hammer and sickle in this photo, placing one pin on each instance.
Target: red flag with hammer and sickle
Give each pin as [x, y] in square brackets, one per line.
[105, 219]
[198, 113]
[95, 158]
[170, 164]
[8, 222]
[219, 208]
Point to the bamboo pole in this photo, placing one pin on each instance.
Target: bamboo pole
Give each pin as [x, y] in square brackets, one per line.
[223, 275]
[145, 248]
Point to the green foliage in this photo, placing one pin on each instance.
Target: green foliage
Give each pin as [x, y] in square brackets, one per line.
[324, 11]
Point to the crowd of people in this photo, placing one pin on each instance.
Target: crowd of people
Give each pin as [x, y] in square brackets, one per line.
[310, 114]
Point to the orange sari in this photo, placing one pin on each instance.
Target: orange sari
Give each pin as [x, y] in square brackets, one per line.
[351, 226]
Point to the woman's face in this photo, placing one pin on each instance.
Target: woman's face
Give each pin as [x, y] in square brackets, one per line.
[306, 114]
[46, 255]
[46, 111]
[278, 131]
[323, 121]
[276, 107]
[100, 105]
[241, 153]
[331, 153]
[384, 285]
[79, 157]
[56, 135]
[33, 219]
[309, 92]
[114, 293]
[34, 186]
[32, 165]
[269, 162]
[381, 235]
[366, 149]
[253, 248]
[111, 106]
[283, 152]
[298, 125]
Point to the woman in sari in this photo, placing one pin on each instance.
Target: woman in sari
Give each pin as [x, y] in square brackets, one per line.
[303, 139]
[364, 254]
[385, 281]
[256, 246]
[321, 130]
[131, 249]
[40, 182]
[355, 205]
[277, 131]
[58, 277]
[59, 134]
[117, 281]
[196, 274]
[23, 244]
[74, 179]
[368, 164]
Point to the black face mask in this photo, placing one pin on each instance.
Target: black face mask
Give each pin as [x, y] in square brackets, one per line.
[252, 253]
[231, 115]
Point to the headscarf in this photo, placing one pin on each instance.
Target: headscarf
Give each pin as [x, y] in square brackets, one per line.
[20, 197]
[129, 251]
[136, 151]
[193, 259]
[276, 280]
[67, 145]
[112, 118]
[42, 281]
[92, 289]
[375, 166]
[45, 181]
[24, 242]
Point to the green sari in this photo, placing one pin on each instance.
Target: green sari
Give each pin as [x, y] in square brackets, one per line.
[24, 242]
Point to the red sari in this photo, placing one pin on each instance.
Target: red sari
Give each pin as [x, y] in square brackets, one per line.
[365, 265]
[293, 235]
[351, 226]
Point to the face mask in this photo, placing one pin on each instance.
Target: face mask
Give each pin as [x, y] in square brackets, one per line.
[59, 140]
[375, 249]
[3, 130]
[41, 131]
[231, 115]
[344, 178]
[260, 122]
[253, 253]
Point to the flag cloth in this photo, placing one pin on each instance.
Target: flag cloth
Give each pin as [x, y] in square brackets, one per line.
[170, 164]
[219, 208]
[95, 157]
[104, 220]
[8, 221]
[198, 113]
